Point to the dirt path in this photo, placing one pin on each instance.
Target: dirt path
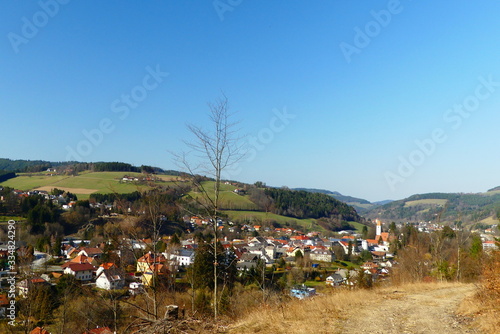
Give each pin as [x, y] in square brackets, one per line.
[411, 312]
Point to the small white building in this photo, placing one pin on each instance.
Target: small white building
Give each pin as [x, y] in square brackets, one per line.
[185, 257]
[136, 288]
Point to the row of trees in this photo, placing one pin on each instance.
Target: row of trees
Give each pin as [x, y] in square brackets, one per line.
[5, 175]
[443, 255]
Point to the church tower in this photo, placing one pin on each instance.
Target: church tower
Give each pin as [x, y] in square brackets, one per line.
[379, 227]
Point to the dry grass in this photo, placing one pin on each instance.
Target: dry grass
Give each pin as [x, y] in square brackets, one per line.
[322, 313]
[316, 315]
[484, 307]
[484, 310]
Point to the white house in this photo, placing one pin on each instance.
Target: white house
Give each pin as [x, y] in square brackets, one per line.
[185, 257]
[322, 254]
[110, 279]
[81, 271]
[136, 288]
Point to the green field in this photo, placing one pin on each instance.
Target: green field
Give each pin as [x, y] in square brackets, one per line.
[229, 200]
[490, 193]
[257, 217]
[82, 185]
[7, 218]
[358, 226]
[491, 220]
[24, 182]
[429, 201]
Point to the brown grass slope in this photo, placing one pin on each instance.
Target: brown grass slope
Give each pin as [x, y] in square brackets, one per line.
[414, 308]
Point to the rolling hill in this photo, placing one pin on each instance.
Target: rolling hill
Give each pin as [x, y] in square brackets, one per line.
[83, 184]
[477, 208]
[302, 209]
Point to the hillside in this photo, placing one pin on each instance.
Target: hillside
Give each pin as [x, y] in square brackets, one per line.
[362, 206]
[241, 202]
[83, 184]
[479, 208]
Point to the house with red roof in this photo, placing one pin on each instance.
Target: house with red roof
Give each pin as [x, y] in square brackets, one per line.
[150, 265]
[81, 259]
[81, 271]
[4, 303]
[27, 284]
[110, 277]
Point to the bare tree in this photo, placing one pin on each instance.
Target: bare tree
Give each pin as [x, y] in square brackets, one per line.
[215, 149]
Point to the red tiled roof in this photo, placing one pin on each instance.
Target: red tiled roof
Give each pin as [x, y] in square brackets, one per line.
[378, 254]
[151, 258]
[39, 330]
[79, 259]
[38, 280]
[80, 266]
[300, 237]
[4, 301]
[108, 265]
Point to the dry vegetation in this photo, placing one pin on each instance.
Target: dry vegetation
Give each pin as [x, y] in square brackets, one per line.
[484, 307]
[326, 313]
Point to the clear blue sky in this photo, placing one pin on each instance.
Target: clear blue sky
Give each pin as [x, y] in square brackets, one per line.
[363, 81]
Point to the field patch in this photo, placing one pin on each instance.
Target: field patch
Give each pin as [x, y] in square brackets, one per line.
[257, 217]
[229, 200]
[26, 182]
[430, 201]
[82, 191]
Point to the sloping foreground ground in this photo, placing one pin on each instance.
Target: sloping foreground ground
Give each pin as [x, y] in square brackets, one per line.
[431, 311]
[413, 308]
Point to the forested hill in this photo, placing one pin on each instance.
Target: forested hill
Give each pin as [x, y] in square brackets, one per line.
[479, 208]
[26, 165]
[304, 204]
[35, 166]
[361, 205]
[337, 195]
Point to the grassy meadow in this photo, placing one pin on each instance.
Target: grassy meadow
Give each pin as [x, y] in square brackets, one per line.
[229, 200]
[257, 217]
[82, 185]
[430, 201]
